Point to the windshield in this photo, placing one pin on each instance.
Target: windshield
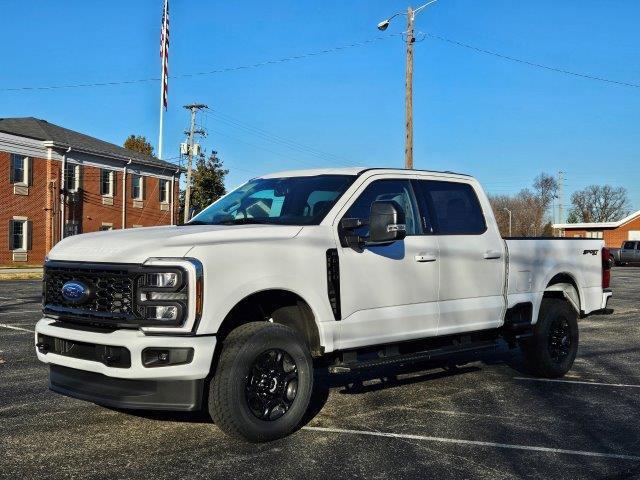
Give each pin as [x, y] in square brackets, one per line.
[278, 201]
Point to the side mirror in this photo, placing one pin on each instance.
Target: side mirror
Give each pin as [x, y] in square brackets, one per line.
[386, 222]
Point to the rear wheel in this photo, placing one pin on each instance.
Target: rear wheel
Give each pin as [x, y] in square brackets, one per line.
[552, 349]
[263, 382]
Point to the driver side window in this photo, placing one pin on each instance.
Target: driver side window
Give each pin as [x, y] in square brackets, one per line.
[397, 190]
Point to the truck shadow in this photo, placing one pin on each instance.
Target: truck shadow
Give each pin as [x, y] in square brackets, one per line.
[371, 380]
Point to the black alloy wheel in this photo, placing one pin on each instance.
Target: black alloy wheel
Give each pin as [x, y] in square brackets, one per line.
[272, 384]
[559, 339]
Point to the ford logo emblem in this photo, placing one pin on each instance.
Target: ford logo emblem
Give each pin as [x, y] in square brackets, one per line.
[75, 291]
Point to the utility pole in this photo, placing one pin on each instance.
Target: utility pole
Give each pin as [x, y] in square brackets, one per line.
[561, 196]
[408, 95]
[408, 99]
[194, 107]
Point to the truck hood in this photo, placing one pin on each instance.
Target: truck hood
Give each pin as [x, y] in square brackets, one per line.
[135, 245]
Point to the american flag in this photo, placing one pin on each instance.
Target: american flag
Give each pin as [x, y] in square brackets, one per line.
[164, 52]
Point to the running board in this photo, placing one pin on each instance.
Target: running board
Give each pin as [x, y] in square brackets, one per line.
[409, 358]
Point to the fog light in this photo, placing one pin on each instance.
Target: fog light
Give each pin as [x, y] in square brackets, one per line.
[161, 357]
[162, 312]
[162, 280]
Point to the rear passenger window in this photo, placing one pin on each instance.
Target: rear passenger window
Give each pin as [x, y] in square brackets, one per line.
[454, 206]
[628, 245]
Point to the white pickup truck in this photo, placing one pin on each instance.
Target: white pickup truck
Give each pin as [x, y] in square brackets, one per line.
[344, 269]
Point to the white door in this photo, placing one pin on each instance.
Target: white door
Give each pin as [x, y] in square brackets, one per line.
[388, 293]
[634, 234]
[471, 258]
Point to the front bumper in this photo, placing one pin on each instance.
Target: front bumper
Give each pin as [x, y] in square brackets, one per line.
[170, 387]
[175, 395]
[135, 341]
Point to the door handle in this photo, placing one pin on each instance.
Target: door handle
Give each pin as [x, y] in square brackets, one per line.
[425, 257]
[491, 255]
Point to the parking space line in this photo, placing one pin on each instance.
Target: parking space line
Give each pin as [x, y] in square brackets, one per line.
[13, 327]
[579, 382]
[476, 443]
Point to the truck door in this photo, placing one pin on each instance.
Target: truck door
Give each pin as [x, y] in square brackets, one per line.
[471, 258]
[628, 252]
[388, 293]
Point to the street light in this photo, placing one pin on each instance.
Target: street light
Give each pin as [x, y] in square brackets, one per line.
[382, 26]
[509, 212]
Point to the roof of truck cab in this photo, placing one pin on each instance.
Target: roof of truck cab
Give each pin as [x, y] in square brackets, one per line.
[347, 171]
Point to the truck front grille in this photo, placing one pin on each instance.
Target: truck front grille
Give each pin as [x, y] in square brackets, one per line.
[112, 290]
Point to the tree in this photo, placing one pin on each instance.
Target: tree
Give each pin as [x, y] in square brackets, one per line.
[599, 203]
[138, 143]
[529, 208]
[207, 182]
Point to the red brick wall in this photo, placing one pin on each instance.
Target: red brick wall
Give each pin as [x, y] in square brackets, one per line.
[31, 206]
[615, 237]
[90, 212]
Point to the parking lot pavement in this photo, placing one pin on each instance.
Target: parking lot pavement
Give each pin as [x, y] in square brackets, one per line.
[487, 419]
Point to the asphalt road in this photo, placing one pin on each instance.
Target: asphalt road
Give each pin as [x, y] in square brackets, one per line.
[486, 420]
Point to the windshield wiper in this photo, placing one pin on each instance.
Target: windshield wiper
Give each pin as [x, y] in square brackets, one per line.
[196, 222]
[244, 221]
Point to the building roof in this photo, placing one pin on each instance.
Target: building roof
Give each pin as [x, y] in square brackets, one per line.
[597, 225]
[39, 129]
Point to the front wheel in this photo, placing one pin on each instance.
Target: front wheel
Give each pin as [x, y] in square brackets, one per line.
[263, 382]
[552, 349]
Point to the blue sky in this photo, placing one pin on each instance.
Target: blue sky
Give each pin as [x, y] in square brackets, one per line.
[501, 121]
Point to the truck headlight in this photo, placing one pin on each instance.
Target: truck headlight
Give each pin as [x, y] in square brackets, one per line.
[163, 297]
[170, 295]
[162, 312]
[163, 280]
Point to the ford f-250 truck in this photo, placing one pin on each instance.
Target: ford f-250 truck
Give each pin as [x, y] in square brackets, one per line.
[341, 268]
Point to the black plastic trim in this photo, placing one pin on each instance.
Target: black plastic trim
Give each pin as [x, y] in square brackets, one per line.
[175, 395]
[110, 355]
[333, 282]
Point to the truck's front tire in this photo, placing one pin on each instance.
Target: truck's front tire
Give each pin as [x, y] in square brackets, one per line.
[263, 382]
[552, 349]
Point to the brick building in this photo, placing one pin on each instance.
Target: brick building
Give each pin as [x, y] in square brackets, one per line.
[613, 233]
[105, 187]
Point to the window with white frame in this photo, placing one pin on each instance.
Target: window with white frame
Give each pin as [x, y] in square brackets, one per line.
[107, 182]
[594, 234]
[72, 177]
[165, 190]
[19, 234]
[137, 187]
[19, 169]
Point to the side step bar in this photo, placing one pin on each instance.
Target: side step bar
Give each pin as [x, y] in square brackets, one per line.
[409, 358]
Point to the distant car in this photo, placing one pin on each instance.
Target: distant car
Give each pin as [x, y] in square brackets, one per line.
[629, 252]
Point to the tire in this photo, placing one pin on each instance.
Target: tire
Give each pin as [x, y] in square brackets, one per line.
[263, 382]
[552, 349]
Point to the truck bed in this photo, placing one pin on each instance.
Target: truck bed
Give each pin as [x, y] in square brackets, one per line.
[533, 263]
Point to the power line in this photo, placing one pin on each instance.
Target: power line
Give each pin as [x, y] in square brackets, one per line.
[279, 140]
[531, 64]
[326, 51]
[329, 51]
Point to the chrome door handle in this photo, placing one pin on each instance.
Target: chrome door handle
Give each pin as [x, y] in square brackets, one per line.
[491, 255]
[425, 257]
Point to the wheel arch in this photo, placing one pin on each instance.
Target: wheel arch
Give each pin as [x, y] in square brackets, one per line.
[277, 305]
[564, 285]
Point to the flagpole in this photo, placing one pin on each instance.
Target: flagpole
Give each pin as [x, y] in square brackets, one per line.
[164, 32]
